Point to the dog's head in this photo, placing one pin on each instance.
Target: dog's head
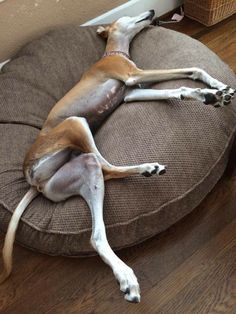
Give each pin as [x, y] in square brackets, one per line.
[127, 26]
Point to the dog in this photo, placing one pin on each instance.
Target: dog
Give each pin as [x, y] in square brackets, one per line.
[64, 160]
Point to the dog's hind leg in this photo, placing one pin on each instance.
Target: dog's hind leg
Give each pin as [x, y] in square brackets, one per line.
[83, 138]
[74, 133]
[207, 96]
[132, 75]
[138, 76]
[83, 176]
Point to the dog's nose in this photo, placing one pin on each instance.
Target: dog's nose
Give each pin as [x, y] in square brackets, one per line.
[152, 13]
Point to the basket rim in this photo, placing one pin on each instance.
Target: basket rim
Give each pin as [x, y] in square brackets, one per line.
[210, 6]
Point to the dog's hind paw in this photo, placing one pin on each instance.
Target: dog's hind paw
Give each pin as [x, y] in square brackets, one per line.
[228, 91]
[226, 94]
[128, 284]
[148, 170]
[218, 98]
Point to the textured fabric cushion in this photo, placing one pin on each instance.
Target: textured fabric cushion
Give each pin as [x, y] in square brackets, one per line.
[192, 139]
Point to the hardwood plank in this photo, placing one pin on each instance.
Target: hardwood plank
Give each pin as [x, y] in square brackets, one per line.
[187, 26]
[223, 42]
[221, 38]
[185, 288]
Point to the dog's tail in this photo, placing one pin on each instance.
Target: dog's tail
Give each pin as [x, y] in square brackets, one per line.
[11, 231]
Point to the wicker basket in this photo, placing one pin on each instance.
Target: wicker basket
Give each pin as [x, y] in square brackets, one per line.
[209, 12]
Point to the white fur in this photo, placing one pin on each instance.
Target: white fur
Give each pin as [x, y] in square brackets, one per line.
[11, 231]
[185, 93]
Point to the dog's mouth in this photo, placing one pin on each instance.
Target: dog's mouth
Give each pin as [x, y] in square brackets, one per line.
[149, 17]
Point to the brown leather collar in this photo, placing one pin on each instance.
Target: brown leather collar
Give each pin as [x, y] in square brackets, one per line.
[116, 52]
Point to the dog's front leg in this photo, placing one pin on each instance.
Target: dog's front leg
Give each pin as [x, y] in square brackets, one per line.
[83, 176]
[207, 96]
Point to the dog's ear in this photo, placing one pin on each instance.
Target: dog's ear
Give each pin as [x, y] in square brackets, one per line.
[103, 31]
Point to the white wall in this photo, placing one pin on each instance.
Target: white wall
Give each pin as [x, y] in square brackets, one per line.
[135, 7]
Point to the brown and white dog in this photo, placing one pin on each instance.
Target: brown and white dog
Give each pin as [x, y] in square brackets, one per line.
[64, 160]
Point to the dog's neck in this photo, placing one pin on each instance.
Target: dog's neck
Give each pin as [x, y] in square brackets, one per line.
[116, 52]
[117, 44]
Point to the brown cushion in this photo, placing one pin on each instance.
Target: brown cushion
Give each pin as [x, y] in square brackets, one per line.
[192, 139]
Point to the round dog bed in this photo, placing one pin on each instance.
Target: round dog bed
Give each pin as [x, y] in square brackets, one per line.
[194, 140]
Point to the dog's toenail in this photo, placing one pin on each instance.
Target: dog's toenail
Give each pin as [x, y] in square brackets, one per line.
[127, 291]
[217, 106]
[163, 171]
[227, 103]
[146, 174]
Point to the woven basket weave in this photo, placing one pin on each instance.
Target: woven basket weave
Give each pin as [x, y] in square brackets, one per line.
[209, 12]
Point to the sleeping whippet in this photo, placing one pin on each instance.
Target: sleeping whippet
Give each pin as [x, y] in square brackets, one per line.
[64, 160]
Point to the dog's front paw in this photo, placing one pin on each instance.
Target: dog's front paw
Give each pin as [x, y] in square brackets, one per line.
[149, 170]
[128, 283]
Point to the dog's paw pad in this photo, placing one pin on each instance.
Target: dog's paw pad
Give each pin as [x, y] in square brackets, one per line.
[147, 174]
[155, 170]
[152, 169]
[163, 171]
[210, 99]
[134, 300]
[127, 291]
[227, 97]
[219, 98]
[219, 93]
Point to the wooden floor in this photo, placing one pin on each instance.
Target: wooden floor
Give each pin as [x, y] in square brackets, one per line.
[190, 268]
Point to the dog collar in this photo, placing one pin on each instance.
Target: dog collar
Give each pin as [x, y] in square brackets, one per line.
[116, 52]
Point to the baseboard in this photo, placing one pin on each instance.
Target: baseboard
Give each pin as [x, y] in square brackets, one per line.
[132, 8]
[135, 7]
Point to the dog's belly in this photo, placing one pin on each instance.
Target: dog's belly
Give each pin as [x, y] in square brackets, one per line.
[94, 101]
[101, 101]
